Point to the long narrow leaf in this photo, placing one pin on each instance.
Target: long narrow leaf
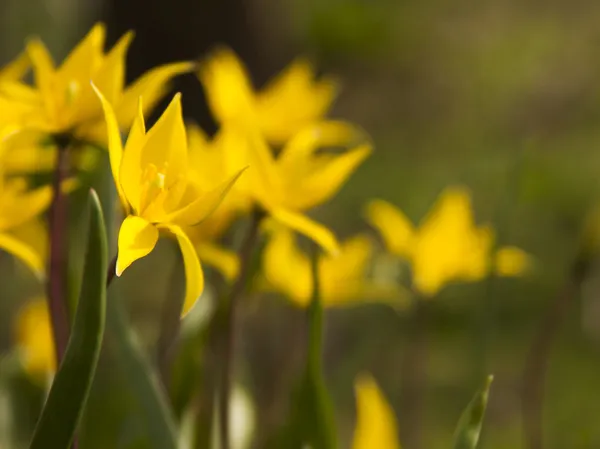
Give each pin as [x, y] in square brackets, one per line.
[70, 389]
[470, 423]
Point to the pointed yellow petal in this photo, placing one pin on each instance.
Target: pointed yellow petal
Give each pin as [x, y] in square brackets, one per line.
[115, 146]
[295, 85]
[43, 66]
[196, 211]
[194, 277]
[220, 258]
[130, 172]
[395, 229]
[137, 239]
[110, 77]
[152, 86]
[34, 234]
[85, 57]
[33, 334]
[308, 140]
[311, 229]
[512, 261]
[227, 85]
[17, 208]
[166, 144]
[24, 252]
[15, 69]
[327, 176]
[376, 421]
[286, 268]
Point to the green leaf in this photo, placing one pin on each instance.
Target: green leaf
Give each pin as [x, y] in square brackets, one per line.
[467, 432]
[70, 389]
[311, 421]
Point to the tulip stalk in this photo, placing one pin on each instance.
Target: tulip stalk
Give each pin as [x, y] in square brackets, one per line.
[227, 345]
[57, 303]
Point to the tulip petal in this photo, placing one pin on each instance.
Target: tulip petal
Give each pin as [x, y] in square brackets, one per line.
[286, 268]
[376, 421]
[328, 133]
[20, 207]
[24, 252]
[166, 144]
[396, 230]
[137, 238]
[43, 65]
[205, 204]
[194, 277]
[85, 57]
[110, 78]
[152, 86]
[223, 260]
[227, 85]
[15, 69]
[130, 172]
[311, 229]
[327, 176]
[512, 261]
[115, 146]
[295, 85]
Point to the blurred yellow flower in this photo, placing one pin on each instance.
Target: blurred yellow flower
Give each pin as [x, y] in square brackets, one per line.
[210, 162]
[447, 246]
[156, 190]
[289, 103]
[33, 335]
[20, 233]
[31, 152]
[302, 176]
[344, 278]
[375, 418]
[61, 99]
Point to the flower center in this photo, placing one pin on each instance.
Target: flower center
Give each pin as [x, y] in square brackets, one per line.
[153, 185]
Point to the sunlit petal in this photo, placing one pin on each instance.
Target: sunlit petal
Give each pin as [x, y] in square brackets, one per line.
[137, 239]
[397, 230]
[512, 261]
[196, 211]
[375, 421]
[194, 277]
[27, 254]
[115, 146]
[311, 229]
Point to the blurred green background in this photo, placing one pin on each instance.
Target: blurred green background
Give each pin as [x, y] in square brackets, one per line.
[500, 95]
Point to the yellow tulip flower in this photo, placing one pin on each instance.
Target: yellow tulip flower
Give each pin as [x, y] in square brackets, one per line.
[302, 176]
[343, 278]
[289, 103]
[20, 233]
[447, 246]
[375, 418]
[210, 162]
[156, 190]
[33, 336]
[61, 99]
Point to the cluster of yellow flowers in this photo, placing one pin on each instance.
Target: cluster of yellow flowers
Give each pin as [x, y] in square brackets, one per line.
[271, 155]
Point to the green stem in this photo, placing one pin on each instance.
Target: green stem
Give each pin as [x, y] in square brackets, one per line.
[536, 364]
[227, 347]
[170, 323]
[57, 301]
[414, 374]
